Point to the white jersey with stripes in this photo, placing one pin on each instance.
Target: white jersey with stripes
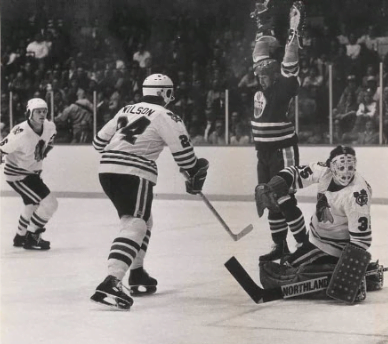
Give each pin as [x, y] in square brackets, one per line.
[24, 150]
[349, 206]
[132, 141]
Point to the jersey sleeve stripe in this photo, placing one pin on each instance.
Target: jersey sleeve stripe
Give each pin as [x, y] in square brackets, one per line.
[360, 235]
[188, 163]
[99, 143]
[183, 152]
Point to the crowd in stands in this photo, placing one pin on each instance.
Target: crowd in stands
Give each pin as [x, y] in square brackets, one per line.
[205, 52]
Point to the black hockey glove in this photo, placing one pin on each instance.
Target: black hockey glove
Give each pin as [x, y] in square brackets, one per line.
[196, 176]
[47, 150]
[323, 209]
[267, 195]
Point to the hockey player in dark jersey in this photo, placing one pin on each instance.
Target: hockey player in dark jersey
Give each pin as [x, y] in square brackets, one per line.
[130, 144]
[273, 132]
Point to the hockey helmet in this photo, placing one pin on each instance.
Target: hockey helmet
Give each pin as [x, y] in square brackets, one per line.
[159, 85]
[35, 103]
[342, 163]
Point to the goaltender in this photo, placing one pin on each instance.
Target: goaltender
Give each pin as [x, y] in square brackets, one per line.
[340, 229]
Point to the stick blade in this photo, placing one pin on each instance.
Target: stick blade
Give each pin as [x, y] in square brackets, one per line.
[244, 232]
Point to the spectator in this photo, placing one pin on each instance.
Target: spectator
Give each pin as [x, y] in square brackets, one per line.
[38, 49]
[370, 135]
[141, 55]
[217, 137]
[240, 137]
[80, 116]
[367, 109]
[369, 40]
[196, 136]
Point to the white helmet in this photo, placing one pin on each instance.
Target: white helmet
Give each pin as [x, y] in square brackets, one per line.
[343, 164]
[35, 103]
[159, 85]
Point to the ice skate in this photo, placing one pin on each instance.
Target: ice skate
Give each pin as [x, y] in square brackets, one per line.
[141, 283]
[279, 250]
[375, 280]
[33, 241]
[18, 240]
[361, 296]
[110, 293]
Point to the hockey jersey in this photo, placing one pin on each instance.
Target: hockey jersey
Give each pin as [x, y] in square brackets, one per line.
[25, 149]
[349, 207]
[132, 141]
[270, 123]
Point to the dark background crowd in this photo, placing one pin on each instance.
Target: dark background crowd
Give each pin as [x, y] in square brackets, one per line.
[65, 50]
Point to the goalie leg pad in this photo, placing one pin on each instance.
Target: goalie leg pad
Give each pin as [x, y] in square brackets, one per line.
[274, 275]
[348, 274]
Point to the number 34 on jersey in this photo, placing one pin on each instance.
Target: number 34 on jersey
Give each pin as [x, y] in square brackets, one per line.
[133, 140]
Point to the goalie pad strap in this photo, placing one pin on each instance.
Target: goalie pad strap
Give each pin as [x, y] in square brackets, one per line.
[348, 273]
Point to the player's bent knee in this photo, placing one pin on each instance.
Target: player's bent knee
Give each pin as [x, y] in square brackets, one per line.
[49, 204]
[133, 228]
[150, 223]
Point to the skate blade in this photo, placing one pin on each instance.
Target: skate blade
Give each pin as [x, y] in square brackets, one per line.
[111, 301]
[140, 290]
[36, 248]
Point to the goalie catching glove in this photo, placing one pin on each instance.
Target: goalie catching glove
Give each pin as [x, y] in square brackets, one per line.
[196, 176]
[267, 195]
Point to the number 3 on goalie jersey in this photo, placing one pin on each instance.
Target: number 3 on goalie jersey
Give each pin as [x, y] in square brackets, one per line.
[133, 130]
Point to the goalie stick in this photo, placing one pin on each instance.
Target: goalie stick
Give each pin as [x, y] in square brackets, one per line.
[235, 237]
[260, 295]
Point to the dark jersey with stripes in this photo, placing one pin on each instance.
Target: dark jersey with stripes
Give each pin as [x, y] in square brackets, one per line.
[271, 126]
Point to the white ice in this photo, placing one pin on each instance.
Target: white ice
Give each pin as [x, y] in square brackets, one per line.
[45, 295]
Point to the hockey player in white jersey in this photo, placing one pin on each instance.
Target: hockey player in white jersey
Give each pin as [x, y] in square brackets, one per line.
[130, 143]
[24, 149]
[343, 205]
[340, 228]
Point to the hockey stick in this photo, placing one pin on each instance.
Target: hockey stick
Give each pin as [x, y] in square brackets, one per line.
[260, 295]
[235, 237]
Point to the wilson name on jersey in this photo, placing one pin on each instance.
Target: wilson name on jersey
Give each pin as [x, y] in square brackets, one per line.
[349, 207]
[270, 123]
[25, 150]
[132, 141]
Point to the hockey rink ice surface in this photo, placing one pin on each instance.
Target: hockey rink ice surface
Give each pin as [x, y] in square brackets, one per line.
[45, 295]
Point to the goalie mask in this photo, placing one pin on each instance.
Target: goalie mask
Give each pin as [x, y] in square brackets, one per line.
[35, 103]
[159, 85]
[342, 163]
